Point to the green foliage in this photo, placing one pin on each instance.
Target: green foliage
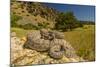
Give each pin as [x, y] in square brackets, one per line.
[19, 31]
[42, 25]
[14, 19]
[67, 21]
[82, 40]
[30, 26]
[88, 22]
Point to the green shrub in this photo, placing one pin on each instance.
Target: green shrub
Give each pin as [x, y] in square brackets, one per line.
[43, 25]
[14, 19]
[28, 26]
[67, 21]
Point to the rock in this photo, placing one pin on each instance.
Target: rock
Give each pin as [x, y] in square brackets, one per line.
[13, 34]
[41, 51]
[48, 60]
[23, 39]
[16, 48]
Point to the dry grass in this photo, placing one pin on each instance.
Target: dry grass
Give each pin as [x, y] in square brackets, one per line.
[82, 39]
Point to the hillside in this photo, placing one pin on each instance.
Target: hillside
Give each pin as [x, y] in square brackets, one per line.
[34, 13]
[29, 17]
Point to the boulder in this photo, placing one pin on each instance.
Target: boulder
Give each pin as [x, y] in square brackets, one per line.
[13, 34]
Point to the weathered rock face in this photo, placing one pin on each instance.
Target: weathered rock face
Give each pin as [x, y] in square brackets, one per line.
[41, 51]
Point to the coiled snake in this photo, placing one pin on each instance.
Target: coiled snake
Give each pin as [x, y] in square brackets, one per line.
[51, 41]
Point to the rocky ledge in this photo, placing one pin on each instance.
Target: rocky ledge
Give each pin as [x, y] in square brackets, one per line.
[42, 47]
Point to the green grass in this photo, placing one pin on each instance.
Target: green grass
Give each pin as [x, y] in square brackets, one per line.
[82, 39]
[20, 32]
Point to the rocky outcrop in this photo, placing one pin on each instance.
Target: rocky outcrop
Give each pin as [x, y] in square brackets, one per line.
[41, 51]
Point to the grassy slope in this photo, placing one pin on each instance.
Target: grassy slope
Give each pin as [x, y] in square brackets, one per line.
[82, 39]
[20, 32]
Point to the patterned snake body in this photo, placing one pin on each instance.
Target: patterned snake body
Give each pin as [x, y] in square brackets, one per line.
[49, 40]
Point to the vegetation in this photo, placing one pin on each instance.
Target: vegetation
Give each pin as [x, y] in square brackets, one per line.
[14, 19]
[20, 32]
[87, 22]
[29, 26]
[44, 25]
[67, 21]
[81, 34]
[64, 21]
[82, 39]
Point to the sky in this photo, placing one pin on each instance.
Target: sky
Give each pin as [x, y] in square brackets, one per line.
[82, 12]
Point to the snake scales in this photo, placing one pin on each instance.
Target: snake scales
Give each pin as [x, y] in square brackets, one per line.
[51, 41]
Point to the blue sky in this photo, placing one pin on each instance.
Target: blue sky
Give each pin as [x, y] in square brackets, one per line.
[82, 12]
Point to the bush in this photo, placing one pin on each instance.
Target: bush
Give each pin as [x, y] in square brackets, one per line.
[67, 21]
[43, 25]
[14, 19]
[28, 26]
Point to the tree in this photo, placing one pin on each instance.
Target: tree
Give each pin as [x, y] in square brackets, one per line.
[66, 21]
